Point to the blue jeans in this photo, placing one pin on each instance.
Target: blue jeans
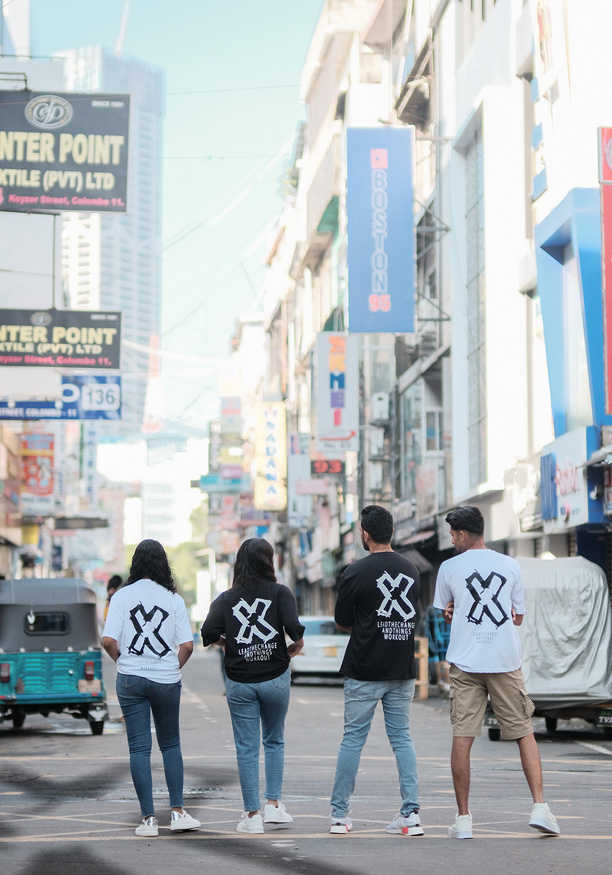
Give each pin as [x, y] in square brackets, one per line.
[360, 701]
[250, 705]
[139, 697]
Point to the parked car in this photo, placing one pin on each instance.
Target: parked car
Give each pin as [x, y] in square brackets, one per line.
[50, 653]
[323, 649]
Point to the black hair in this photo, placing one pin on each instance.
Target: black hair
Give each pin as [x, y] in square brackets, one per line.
[254, 563]
[467, 518]
[378, 523]
[114, 582]
[150, 562]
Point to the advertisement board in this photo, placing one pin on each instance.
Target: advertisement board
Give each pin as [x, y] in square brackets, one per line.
[81, 397]
[37, 478]
[566, 502]
[380, 229]
[337, 393]
[270, 457]
[605, 182]
[60, 339]
[63, 152]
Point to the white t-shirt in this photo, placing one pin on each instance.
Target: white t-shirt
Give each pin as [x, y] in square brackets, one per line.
[148, 622]
[484, 586]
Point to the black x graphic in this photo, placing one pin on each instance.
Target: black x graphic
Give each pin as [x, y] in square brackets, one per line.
[146, 630]
[485, 599]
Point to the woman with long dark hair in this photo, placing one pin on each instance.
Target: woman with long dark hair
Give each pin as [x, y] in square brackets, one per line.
[147, 634]
[250, 622]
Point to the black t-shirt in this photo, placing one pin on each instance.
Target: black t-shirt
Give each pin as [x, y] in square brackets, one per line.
[254, 622]
[377, 597]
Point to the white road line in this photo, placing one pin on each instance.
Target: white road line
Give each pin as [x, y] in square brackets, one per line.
[596, 747]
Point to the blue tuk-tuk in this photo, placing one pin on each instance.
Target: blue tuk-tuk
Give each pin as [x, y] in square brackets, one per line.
[50, 652]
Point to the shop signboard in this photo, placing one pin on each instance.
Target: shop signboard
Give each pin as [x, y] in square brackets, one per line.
[60, 338]
[564, 485]
[380, 229]
[37, 476]
[337, 393]
[81, 397]
[270, 457]
[63, 152]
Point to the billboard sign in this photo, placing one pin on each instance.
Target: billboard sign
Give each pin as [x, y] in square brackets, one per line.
[82, 397]
[37, 477]
[60, 339]
[270, 457]
[63, 152]
[380, 229]
[337, 393]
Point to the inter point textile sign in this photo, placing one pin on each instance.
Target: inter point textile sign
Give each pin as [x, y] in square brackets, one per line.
[380, 229]
[63, 152]
[60, 339]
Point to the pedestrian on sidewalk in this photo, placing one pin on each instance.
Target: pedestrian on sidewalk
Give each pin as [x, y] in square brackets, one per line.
[250, 621]
[377, 602]
[147, 624]
[480, 592]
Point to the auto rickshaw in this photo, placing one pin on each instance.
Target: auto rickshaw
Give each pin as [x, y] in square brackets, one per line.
[50, 652]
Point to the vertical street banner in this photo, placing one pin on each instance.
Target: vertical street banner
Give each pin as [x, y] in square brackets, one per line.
[605, 185]
[270, 457]
[63, 152]
[380, 229]
[337, 393]
[37, 480]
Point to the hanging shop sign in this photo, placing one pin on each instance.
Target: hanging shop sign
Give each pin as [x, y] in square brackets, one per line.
[337, 393]
[60, 339]
[380, 229]
[63, 152]
[37, 474]
[82, 397]
[566, 502]
[270, 457]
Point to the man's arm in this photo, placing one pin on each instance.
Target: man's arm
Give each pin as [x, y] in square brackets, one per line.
[517, 619]
[112, 647]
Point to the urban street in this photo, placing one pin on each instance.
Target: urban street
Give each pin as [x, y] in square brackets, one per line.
[67, 803]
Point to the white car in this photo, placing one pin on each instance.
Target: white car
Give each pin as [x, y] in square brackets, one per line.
[323, 649]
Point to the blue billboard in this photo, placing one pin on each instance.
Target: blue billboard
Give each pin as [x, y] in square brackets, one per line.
[379, 204]
[82, 397]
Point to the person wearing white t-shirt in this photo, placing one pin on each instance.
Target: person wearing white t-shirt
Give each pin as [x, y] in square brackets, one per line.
[480, 593]
[148, 635]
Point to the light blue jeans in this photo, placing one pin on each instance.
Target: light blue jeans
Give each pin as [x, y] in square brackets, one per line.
[252, 705]
[139, 697]
[360, 701]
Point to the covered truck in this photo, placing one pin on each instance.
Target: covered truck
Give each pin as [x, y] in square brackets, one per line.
[566, 640]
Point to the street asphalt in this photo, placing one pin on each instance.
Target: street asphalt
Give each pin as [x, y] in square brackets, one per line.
[67, 804]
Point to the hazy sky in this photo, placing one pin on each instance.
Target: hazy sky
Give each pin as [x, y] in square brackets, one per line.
[232, 105]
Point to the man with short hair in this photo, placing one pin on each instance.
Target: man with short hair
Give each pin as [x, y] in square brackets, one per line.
[376, 603]
[480, 592]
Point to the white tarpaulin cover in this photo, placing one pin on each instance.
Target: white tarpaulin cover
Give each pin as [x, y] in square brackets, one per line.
[566, 635]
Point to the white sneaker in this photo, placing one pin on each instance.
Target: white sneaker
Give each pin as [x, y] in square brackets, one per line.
[340, 826]
[277, 814]
[406, 824]
[543, 819]
[462, 827]
[250, 824]
[183, 821]
[148, 827]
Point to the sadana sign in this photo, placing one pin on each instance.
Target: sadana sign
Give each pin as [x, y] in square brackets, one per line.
[63, 152]
[60, 338]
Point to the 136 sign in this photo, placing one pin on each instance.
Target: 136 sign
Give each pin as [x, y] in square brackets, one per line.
[327, 466]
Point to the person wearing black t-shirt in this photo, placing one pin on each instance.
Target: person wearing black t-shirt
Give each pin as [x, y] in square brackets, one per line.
[250, 621]
[377, 601]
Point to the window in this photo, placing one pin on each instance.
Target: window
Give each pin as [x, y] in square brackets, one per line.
[46, 623]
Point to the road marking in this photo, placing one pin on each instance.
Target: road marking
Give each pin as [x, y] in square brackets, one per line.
[595, 747]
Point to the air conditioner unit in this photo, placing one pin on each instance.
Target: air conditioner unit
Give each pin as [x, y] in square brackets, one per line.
[380, 406]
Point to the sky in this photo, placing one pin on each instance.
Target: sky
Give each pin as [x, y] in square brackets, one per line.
[232, 72]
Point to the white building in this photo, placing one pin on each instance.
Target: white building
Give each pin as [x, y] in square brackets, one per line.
[113, 262]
